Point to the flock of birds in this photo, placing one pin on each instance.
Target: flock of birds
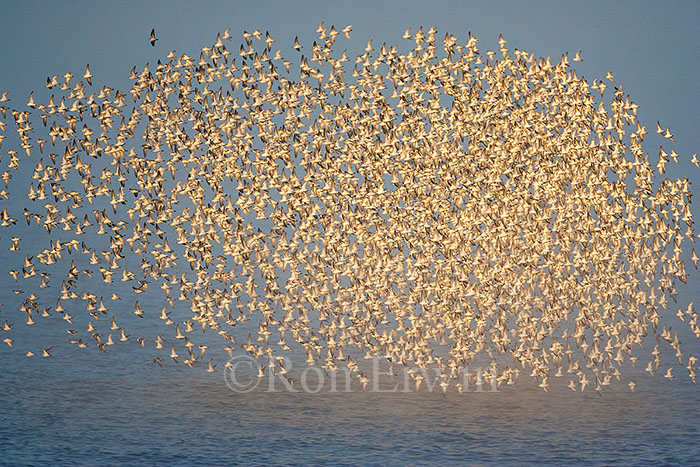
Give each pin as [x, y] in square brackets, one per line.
[438, 207]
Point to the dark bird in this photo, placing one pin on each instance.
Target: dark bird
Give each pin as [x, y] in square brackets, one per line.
[153, 38]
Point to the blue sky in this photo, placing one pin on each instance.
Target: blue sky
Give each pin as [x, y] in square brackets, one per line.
[651, 47]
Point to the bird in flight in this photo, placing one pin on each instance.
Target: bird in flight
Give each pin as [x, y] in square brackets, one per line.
[152, 39]
[88, 75]
[489, 249]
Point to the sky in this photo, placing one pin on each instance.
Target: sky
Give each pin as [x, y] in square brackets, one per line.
[651, 47]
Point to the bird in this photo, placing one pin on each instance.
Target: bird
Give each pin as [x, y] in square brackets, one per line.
[152, 38]
[88, 75]
[668, 375]
[665, 133]
[348, 210]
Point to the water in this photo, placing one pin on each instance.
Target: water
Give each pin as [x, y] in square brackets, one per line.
[60, 411]
[86, 407]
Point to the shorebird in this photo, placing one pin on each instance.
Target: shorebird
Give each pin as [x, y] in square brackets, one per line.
[152, 38]
[342, 208]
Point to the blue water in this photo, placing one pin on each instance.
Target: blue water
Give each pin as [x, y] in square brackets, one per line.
[86, 407]
[57, 411]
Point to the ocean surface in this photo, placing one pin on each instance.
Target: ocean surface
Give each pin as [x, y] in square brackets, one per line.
[85, 407]
[110, 410]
